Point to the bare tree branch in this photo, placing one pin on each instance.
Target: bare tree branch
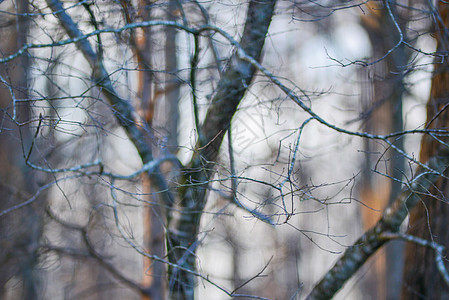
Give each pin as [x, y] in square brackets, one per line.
[122, 109]
[438, 248]
[356, 255]
[230, 91]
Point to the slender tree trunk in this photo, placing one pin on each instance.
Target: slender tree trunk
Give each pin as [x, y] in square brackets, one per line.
[430, 219]
[171, 109]
[154, 277]
[167, 123]
[185, 218]
[382, 115]
[19, 230]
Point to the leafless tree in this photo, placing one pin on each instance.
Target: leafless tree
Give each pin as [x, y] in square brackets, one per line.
[174, 149]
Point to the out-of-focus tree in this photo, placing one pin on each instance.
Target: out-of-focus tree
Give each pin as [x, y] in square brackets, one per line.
[20, 230]
[382, 114]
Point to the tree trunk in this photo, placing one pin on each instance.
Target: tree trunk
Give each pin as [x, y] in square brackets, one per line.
[429, 220]
[382, 114]
[166, 121]
[20, 230]
[185, 219]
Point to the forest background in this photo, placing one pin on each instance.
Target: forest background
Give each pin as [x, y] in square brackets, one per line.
[223, 149]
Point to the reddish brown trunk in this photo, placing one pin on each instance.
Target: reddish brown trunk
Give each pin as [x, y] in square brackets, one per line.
[429, 220]
[150, 96]
[152, 274]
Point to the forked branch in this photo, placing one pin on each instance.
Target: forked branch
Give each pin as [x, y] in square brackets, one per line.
[356, 255]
